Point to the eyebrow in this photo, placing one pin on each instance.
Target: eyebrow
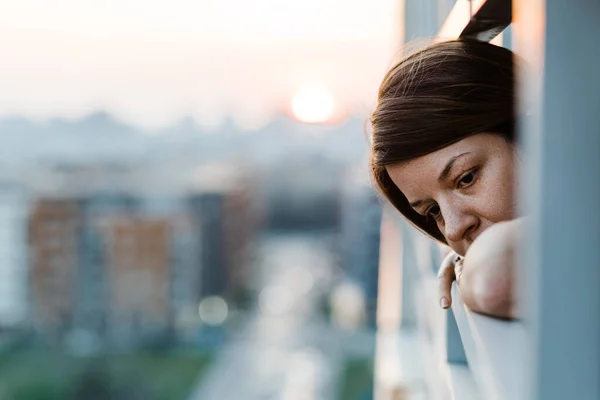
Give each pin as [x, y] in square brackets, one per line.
[443, 175]
[449, 165]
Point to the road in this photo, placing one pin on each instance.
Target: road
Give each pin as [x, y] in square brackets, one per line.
[285, 351]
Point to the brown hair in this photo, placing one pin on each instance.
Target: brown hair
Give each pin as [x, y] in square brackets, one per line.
[433, 98]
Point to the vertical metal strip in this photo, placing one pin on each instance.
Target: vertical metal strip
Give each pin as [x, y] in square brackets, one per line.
[561, 139]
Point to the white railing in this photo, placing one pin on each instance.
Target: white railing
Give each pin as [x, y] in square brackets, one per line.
[494, 351]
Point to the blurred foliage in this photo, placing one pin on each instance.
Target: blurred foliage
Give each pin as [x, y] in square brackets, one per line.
[38, 374]
[356, 382]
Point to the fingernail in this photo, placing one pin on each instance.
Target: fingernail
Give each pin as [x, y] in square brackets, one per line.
[444, 302]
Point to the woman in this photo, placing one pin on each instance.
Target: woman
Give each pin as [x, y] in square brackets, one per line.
[444, 154]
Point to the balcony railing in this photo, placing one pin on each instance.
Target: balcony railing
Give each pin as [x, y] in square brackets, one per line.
[492, 350]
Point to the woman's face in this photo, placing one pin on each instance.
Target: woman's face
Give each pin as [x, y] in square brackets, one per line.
[465, 187]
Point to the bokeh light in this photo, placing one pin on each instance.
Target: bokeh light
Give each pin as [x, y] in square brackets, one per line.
[213, 310]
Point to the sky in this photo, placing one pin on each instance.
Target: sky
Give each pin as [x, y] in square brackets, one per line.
[151, 62]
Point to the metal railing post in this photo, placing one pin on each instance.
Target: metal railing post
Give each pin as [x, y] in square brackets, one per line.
[561, 136]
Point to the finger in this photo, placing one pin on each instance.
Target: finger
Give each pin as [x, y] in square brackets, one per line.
[445, 278]
[458, 270]
[444, 287]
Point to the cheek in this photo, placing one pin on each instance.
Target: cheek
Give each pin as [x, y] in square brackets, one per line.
[497, 202]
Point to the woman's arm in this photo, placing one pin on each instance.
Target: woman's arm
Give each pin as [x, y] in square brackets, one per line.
[485, 275]
[486, 280]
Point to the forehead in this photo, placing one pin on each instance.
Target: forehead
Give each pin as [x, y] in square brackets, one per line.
[419, 174]
[414, 176]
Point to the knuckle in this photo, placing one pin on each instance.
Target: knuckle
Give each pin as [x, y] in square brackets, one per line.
[446, 276]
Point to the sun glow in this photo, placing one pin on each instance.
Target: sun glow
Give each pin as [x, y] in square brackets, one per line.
[313, 104]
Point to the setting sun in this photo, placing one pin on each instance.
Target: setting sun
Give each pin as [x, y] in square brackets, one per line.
[313, 104]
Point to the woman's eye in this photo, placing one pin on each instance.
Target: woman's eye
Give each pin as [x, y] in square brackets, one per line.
[434, 212]
[466, 179]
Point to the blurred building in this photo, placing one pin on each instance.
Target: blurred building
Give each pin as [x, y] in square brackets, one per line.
[119, 267]
[185, 279]
[55, 228]
[303, 193]
[222, 206]
[100, 267]
[138, 253]
[93, 290]
[185, 260]
[13, 255]
[360, 237]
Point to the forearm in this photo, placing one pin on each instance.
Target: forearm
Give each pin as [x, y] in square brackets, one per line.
[487, 281]
[488, 289]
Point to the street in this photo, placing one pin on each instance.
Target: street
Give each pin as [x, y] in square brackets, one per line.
[286, 350]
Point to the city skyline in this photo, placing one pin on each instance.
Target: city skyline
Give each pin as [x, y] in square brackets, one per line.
[150, 64]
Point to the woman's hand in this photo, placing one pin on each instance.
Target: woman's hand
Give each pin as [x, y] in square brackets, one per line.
[450, 270]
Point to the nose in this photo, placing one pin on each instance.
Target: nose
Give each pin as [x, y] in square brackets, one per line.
[460, 223]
